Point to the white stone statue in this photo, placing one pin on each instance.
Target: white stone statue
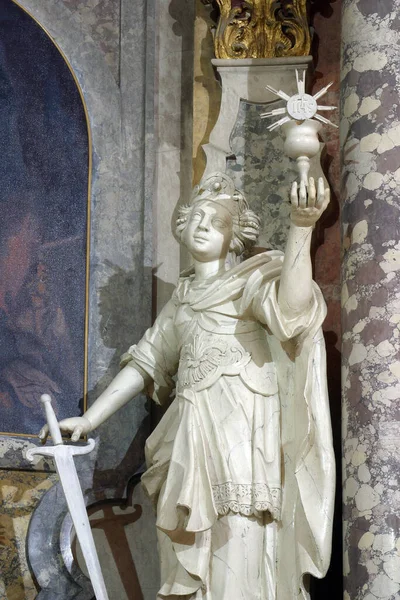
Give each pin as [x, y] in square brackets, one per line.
[241, 467]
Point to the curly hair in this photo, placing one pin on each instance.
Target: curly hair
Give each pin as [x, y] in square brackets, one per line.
[246, 224]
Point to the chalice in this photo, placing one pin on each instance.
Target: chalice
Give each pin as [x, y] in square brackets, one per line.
[300, 123]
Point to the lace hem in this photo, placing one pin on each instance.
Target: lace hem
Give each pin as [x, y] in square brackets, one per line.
[247, 499]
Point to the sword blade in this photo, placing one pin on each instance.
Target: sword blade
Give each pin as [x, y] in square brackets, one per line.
[76, 505]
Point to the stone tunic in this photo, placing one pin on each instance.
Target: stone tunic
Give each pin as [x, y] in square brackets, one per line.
[217, 450]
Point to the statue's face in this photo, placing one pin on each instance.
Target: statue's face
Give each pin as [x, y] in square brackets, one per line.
[208, 232]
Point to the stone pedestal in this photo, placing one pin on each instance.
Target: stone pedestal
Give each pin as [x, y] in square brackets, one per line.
[370, 136]
[245, 79]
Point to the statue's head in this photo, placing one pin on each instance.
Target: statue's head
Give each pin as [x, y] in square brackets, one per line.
[217, 204]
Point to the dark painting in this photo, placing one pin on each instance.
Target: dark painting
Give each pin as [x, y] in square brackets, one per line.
[43, 226]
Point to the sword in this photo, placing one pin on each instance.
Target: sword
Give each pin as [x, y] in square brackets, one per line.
[63, 458]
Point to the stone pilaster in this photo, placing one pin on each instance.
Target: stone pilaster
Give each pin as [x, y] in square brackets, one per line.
[370, 138]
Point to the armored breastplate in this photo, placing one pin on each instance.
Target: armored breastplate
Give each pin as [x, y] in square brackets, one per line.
[239, 349]
[206, 357]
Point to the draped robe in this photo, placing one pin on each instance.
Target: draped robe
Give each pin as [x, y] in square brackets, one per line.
[248, 433]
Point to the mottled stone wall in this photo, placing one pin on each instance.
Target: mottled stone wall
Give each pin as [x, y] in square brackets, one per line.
[264, 172]
[173, 120]
[102, 19]
[370, 138]
[20, 493]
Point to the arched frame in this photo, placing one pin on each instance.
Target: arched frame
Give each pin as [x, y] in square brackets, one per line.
[116, 196]
[67, 170]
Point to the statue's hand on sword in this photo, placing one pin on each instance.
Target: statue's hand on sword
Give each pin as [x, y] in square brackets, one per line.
[63, 455]
[76, 426]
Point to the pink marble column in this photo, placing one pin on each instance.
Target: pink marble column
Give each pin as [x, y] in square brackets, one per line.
[370, 138]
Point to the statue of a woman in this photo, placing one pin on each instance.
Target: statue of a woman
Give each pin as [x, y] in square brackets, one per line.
[240, 468]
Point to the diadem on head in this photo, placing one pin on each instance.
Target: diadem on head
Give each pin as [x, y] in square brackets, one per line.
[219, 187]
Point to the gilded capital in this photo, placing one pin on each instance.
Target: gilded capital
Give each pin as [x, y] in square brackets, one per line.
[262, 29]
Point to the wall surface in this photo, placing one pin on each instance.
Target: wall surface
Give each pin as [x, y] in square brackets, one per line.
[327, 258]
[20, 493]
[110, 49]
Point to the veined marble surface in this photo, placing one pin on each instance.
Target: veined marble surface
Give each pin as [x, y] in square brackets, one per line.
[102, 18]
[370, 136]
[263, 171]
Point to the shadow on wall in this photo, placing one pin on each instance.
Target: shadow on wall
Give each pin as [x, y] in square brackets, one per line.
[120, 302]
[323, 8]
[183, 13]
[113, 516]
[207, 89]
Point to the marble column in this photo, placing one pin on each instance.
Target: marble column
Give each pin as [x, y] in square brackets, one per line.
[370, 138]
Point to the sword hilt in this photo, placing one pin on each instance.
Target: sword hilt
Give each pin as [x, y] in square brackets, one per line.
[52, 422]
[59, 450]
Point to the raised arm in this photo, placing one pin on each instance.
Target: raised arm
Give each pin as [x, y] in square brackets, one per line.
[295, 288]
[126, 385]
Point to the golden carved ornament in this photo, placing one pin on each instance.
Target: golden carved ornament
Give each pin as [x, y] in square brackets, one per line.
[262, 29]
